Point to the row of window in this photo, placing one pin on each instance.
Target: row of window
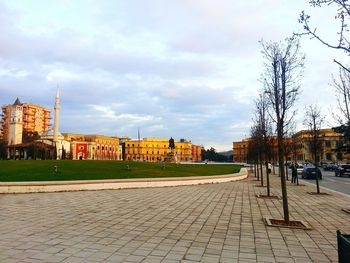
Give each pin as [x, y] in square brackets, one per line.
[111, 148]
[147, 152]
[138, 145]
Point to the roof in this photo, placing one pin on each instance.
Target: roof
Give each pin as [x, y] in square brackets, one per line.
[50, 133]
[17, 102]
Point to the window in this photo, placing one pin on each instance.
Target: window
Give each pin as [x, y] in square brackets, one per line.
[328, 143]
[340, 156]
[103, 148]
[339, 144]
[133, 145]
[98, 147]
[329, 156]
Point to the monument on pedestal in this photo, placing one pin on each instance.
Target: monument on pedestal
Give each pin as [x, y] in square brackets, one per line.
[171, 156]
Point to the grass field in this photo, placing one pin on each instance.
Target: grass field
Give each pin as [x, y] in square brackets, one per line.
[19, 171]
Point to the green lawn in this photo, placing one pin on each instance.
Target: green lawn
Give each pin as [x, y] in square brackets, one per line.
[19, 171]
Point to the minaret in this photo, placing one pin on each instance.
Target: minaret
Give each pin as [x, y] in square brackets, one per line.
[57, 116]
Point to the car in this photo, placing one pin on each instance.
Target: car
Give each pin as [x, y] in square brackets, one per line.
[342, 169]
[330, 167]
[311, 173]
[300, 168]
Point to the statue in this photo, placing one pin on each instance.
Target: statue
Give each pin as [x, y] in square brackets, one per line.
[171, 143]
[171, 156]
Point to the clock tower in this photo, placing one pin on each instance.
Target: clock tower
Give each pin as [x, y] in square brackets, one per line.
[16, 123]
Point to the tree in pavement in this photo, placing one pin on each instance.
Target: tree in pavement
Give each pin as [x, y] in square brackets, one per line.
[252, 154]
[255, 149]
[264, 129]
[282, 71]
[313, 121]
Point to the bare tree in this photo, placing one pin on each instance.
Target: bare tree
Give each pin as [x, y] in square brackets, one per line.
[342, 15]
[313, 121]
[252, 155]
[342, 89]
[294, 144]
[287, 144]
[255, 149]
[282, 70]
[264, 127]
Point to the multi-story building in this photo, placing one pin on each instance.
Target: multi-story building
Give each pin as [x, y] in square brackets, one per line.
[93, 147]
[155, 149]
[297, 148]
[23, 117]
[329, 142]
[196, 153]
[240, 150]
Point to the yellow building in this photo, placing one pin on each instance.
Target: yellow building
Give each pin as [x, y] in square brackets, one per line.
[154, 149]
[240, 151]
[329, 141]
[23, 117]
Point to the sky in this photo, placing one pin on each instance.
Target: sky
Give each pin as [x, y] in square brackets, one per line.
[178, 68]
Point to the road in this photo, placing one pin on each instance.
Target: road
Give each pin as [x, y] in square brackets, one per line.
[339, 184]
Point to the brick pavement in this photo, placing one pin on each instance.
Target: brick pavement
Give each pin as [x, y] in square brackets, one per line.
[208, 223]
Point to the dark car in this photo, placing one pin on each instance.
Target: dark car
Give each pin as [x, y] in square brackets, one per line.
[330, 167]
[343, 169]
[310, 173]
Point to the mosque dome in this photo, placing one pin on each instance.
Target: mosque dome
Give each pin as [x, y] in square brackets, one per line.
[49, 134]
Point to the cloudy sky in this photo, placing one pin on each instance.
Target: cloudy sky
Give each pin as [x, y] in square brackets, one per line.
[182, 68]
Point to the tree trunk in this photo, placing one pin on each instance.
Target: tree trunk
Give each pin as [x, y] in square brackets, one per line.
[261, 172]
[286, 170]
[267, 178]
[257, 169]
[317, 182]
[254, 165]
[281, 168]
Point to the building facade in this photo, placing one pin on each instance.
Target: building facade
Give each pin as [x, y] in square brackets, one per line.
[240, 151]
[196, 153]
[155, 149]
[93, 147]
[329, 142]
[23, 117]
[297, 148]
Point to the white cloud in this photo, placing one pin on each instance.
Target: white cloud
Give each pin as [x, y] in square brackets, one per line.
[173, 68]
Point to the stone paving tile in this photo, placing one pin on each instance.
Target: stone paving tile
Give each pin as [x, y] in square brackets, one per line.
[209, 223]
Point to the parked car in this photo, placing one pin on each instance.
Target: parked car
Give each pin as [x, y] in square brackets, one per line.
[300, 168]
[311, 173]
[342, 169]
[330, 167]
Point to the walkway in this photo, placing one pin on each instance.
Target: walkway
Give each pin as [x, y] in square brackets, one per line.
[209, 223]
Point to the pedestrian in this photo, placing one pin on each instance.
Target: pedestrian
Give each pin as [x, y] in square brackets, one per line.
[269, 168]
[294, 172]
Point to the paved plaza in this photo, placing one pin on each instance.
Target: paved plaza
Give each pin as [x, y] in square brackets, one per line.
[208, 223]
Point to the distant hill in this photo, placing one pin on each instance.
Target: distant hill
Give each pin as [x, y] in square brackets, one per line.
[227, 153]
